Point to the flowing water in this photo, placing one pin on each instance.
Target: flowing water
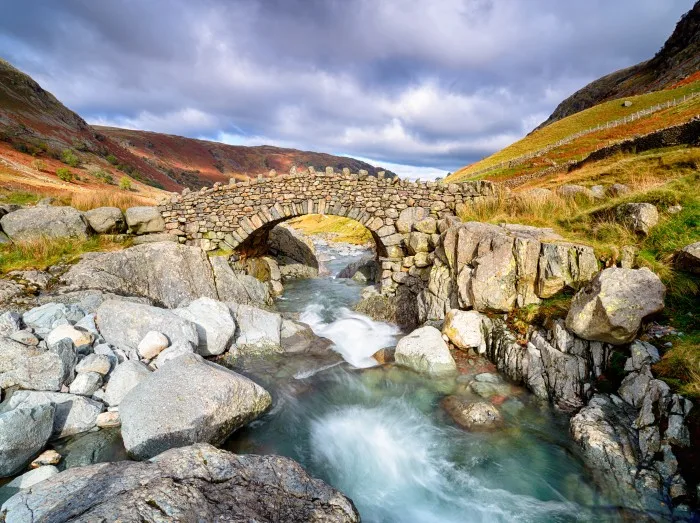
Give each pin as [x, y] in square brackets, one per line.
[380, 436]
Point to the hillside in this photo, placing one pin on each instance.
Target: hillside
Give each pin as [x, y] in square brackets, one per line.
[34, 122]
[678, 59]
[39, 136]
[574, 137]
[196, 163]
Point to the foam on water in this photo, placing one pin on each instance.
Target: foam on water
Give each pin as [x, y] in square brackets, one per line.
[355, 336]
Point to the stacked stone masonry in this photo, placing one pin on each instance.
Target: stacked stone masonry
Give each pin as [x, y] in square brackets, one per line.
[232, 216]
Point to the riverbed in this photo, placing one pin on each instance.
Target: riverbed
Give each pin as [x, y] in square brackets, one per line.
[379, 434]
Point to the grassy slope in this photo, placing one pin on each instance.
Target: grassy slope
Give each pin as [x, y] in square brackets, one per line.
[589, 118]
[666, 178]
[338, 229]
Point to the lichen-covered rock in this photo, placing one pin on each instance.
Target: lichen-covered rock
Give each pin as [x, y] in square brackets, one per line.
[106, 220]
[572, 191]
[144, 220]
[611, 307]
[35, 368]
[196, 483]
[467, 329]
[238, 287]
[638, 217]
[167, 273]
[424, 350]
[188, 400]
[32, 223]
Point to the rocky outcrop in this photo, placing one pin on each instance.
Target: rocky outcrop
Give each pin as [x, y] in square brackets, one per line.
[611, 307]
[106, 220]
[689, 258]
[144, 220]
[147, 271]
[424, 350]
[287, 241]
[188, 400]
[198, 483]
[492, 267]
[401, 309]
[365, 270]
[32, 223]
[638, 217]
[238, 287]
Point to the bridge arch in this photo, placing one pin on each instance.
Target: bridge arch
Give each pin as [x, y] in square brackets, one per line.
[238, 215]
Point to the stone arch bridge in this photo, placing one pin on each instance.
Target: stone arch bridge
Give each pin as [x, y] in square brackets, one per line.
[402, 215]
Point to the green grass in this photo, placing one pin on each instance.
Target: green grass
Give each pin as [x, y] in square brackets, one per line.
[18, 197]
[338, 228]
[45, 252]
[591, 117]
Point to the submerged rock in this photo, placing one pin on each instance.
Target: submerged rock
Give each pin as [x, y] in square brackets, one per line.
[197, 483]
[188, 400]
[479, 415]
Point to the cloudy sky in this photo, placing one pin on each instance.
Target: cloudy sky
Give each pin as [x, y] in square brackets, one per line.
[420, 86]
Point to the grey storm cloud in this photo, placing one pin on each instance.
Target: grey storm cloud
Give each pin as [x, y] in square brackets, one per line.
[427, 84]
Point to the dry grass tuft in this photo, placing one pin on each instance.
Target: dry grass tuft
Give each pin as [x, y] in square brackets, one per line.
[85, 201]
[338, 228]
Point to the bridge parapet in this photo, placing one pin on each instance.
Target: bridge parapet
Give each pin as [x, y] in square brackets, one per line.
[236, 215]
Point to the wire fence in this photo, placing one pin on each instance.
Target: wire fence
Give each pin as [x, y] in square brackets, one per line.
[607, 125]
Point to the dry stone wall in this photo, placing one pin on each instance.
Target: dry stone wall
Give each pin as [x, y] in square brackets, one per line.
[236, 215]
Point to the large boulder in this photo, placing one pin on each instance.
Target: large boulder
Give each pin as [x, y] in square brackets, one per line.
[167, 273]
[573, 191]
[286, 241]
[74, 414]
[424, 350]
[188, 400]
[32, 223]
[35, 368]
[238, 287]
[258, 330]
[124, 324]
[196, 483]
[23, 434]
[123, 379]
[106, 220]
[611, 307]
[638, 217]
[689, 258]
[144, 220]
[214, 323]
[467, 329]
[44, 318]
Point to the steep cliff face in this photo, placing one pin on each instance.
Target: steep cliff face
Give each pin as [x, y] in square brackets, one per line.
[678, 59]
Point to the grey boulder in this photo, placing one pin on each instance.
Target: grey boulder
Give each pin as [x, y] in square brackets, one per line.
[74, 414]
[35, 368]
[123, 379]
[188, 400]
[467, 329]
[196, 483]
[43, 319]
[124, 324]
[424, 350]
[689, 258]
[479, 415]
[32, 223]
[215, 326]
[638, 217]
[106, 220]
[23, 434]
[144, 220]
[238, 287]
[166, 273]
[258, 330]
[611, 307]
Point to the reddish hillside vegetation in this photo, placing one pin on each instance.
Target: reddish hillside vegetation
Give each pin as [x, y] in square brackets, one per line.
[195, 163]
